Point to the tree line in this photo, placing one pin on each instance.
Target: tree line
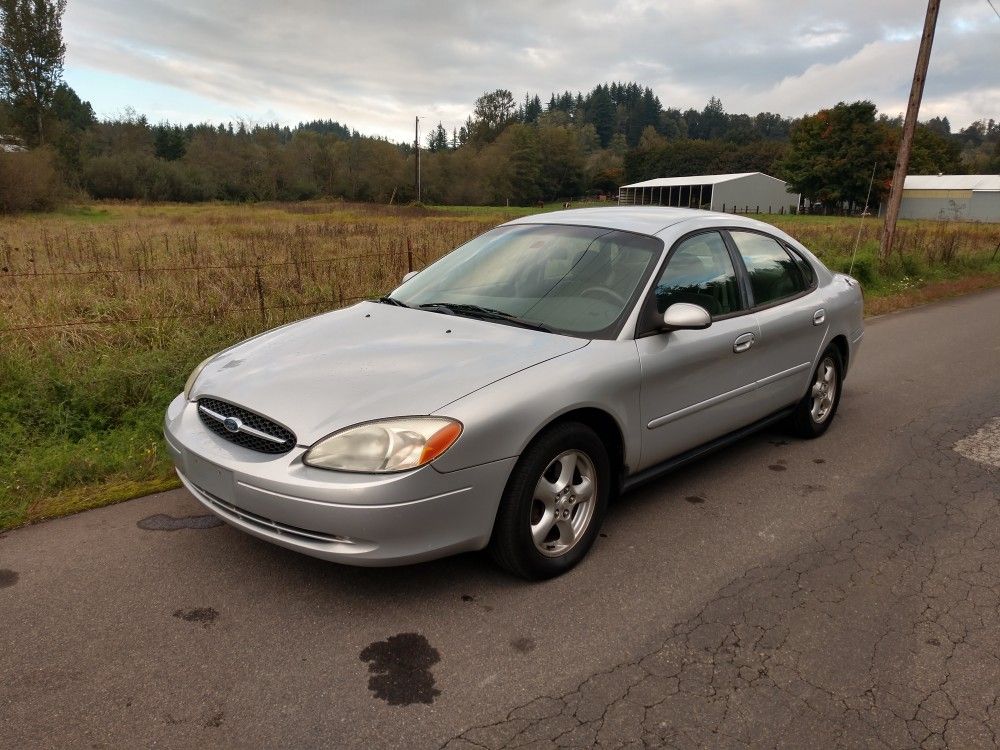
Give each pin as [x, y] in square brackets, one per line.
[508, 150]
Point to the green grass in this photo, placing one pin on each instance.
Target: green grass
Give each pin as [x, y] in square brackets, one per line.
[82, 424]
[86, 213]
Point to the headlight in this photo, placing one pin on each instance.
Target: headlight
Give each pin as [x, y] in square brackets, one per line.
[193, 377]
[385, 446]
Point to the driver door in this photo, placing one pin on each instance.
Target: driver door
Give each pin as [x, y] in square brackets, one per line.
[697, 385]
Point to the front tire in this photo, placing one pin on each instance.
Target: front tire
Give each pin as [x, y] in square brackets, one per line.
[554, 503]
[818, 407]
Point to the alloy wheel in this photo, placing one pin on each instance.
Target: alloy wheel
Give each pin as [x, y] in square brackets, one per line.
[563, 503]
[824, 390]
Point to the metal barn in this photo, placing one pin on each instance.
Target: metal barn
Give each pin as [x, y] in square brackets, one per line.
[956, 197]
[744, 192]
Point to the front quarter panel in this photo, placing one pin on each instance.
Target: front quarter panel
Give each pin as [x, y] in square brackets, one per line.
[502, 418]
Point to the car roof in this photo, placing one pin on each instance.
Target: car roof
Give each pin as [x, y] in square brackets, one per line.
[649, 220]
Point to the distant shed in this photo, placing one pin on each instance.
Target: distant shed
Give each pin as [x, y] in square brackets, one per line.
[958, 197]
[745, 191]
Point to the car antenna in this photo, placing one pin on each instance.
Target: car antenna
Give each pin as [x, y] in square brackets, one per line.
[864, 213]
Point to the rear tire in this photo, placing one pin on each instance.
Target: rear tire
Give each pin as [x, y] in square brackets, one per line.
[816, 410]
[554, 503]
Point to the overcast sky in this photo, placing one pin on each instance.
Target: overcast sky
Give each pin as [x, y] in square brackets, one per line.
[374, 65]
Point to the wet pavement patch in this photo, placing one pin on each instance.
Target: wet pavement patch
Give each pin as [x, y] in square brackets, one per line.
[522, 645]
[400, 668]
[204, 615]
[8, 577]
[163, 522]
[695, 499]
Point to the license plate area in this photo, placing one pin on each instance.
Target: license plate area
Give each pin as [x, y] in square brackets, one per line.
[213, 479]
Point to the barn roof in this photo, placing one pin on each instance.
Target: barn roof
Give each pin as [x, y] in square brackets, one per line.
[990, 182]
[703, 179]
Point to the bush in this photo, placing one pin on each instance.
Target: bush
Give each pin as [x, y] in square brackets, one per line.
[29, 181]
[131, 176]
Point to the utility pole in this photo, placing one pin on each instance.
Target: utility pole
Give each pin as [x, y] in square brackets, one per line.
[416, 146]
[909, 126]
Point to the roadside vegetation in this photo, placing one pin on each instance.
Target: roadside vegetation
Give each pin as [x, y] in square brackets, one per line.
[105, 308]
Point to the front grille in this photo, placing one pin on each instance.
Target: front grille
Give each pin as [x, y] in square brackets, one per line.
[274, 527]
[282, 439]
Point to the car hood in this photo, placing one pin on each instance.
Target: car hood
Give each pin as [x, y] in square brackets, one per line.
[370, 361]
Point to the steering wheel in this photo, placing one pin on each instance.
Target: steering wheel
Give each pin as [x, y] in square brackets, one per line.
[609, 293]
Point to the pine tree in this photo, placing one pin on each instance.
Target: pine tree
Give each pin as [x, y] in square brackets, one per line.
[532, 109]
[602, 114]
[437, 139]
[31, 58]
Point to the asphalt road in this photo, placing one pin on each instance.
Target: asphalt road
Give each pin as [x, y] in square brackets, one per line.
[838, 592]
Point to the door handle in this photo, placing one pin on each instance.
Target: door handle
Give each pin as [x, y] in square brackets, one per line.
[743, 342]
[819, 317]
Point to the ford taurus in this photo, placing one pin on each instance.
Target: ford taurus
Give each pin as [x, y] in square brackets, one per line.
[499, 397]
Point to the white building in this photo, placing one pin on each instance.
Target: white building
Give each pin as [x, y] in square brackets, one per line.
[747, 191]
[958, 197]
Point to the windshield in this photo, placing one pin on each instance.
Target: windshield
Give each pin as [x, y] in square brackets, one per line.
[578, 280]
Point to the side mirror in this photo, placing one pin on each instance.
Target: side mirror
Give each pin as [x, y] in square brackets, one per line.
[686, 316]
[409, 276]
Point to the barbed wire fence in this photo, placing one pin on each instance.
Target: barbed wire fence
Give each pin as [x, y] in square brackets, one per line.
[410, 258]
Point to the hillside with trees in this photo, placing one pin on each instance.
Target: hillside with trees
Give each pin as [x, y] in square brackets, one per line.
[521, 151]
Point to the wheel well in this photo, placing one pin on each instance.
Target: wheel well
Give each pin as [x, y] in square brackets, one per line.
[607, 429]
[841, 343]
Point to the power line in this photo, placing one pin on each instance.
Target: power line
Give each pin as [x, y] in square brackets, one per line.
[994, 8]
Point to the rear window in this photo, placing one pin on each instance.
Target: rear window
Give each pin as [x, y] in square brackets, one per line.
[774, 273]
[805, 268]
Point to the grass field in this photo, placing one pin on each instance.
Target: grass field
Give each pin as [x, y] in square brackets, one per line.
[105, 308]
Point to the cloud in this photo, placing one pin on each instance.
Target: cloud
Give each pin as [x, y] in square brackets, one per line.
[376, 64]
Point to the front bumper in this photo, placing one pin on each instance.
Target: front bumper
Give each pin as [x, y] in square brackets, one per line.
[359, 519]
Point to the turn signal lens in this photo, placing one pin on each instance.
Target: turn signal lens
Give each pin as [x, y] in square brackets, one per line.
[385, 446]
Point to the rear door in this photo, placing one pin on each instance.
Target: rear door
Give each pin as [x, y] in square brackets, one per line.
[789, 310]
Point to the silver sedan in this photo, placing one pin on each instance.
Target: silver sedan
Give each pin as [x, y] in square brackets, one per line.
[501, 396]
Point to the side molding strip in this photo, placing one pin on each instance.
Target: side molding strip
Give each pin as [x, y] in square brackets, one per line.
[694, 408]
[784, 374]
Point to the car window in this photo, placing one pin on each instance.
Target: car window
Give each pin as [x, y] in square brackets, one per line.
[774, 275]
[700, 271]
[805, 268]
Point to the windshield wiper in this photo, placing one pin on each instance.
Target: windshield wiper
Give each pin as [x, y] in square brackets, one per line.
[485, 313]
[392, 301]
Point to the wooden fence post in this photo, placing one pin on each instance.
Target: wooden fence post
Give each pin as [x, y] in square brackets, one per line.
[260, 295]
[409, 254]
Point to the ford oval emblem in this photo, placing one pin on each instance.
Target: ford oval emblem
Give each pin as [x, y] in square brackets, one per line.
[232, 424]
